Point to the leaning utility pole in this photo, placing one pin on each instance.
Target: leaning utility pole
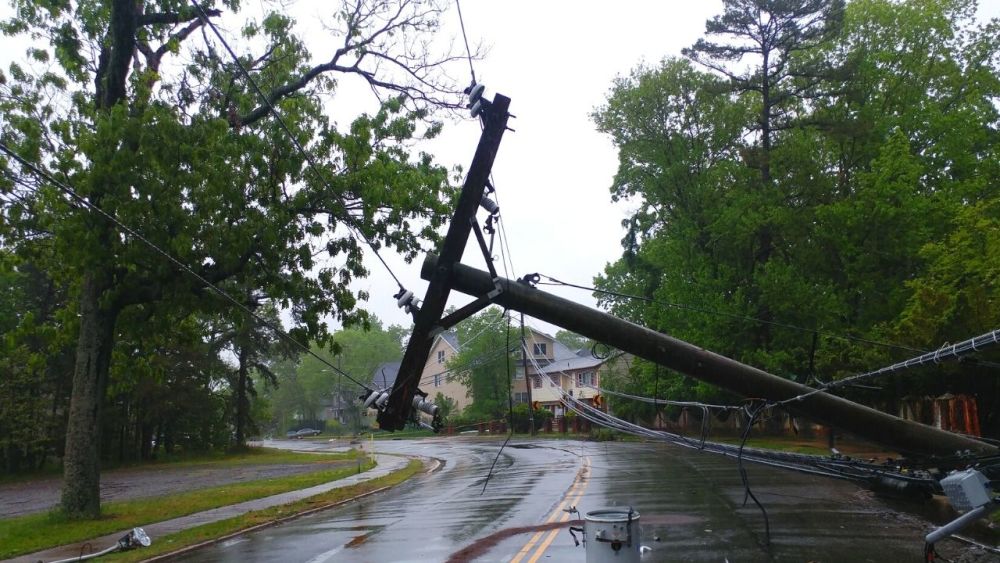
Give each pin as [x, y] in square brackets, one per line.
[397, 407]
[880, 427]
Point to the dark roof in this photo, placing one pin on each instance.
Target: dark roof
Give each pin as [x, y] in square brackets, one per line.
[385, 375]
[451, 338]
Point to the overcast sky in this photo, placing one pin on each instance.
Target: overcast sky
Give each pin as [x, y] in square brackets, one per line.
[556, 60]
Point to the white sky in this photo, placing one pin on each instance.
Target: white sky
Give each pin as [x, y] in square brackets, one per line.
[556, 61]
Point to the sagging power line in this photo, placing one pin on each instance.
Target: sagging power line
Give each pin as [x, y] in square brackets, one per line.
[125, 229]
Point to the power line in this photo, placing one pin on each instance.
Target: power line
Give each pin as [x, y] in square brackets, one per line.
[812, 464]
[504, 237]
[131, 232]
[959, 350]
[730, 315]
[657, 401]
[468, 51]
[294, 140]
[510, 413]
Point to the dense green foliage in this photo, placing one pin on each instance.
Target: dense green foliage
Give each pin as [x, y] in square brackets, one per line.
[305, 388]
[482, 366]
[862, 203]
[146, 117]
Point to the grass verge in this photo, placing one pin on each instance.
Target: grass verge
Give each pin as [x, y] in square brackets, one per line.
[182, 460]
[223, 528]
[34, 532]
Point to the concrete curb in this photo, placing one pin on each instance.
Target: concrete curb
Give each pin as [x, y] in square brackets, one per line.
[282, 520]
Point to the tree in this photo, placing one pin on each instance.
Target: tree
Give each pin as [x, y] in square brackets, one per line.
[775, 31]
[257, 347]
[866, 182]
[573, 341]
[35, 355]
[484, 361]
[446, 405]
[182, 147]
[358, 351]
[305, 388]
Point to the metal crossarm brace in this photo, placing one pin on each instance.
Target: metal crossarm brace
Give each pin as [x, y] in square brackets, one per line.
[426, 324]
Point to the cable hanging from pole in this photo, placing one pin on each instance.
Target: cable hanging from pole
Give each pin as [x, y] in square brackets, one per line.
[82, 201]
[351, 224]
[683, 306]
[468, 51]
[835, 466]
[954, 351]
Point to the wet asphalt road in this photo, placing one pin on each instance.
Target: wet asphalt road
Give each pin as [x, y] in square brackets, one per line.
[691, 507]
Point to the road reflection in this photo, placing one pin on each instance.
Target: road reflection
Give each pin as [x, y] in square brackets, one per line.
[692, 507]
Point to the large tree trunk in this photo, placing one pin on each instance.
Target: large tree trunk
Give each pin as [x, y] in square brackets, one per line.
[81, 464]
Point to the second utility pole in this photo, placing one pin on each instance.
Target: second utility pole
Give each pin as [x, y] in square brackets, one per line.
[527, 383]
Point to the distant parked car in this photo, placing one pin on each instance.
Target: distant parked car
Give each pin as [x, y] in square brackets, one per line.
[292, 434]
[306, 432]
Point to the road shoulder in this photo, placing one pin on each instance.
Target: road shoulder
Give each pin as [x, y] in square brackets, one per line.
[186, 532]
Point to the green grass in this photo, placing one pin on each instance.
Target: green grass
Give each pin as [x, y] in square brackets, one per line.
[243, 457]
[184, 460]
[193, 536]
[793, 446]
[34, 532]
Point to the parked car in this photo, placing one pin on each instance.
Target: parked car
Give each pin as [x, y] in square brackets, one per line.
[292, 434]
[306, 432]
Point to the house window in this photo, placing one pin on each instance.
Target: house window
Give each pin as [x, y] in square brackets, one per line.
[519, 373]
[437, 380]
[536, 382]
[584, 378]
[520, 397]
[540, 348]
[440, 356]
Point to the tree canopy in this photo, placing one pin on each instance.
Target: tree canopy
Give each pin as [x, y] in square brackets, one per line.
[872, 238]
[139, 110]
[482, 365]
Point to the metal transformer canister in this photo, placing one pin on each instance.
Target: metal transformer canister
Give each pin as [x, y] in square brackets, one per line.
[612, 535]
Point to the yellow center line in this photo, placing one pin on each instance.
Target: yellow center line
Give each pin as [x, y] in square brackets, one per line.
[552, 535]
[579, 483]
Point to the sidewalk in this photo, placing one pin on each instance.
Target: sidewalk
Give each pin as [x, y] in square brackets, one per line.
[386, 464]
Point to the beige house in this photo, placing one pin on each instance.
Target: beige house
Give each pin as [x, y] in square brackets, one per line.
[576, 373]
[436, 378]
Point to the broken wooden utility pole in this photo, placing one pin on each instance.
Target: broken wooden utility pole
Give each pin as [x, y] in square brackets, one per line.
[906, 436]
[428, 323]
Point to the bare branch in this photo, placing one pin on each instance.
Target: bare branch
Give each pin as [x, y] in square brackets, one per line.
[374, 33]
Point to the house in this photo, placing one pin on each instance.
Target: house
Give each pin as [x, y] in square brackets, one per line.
[385, 375]
[344, 407]
[437, 378]
[577, 373]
